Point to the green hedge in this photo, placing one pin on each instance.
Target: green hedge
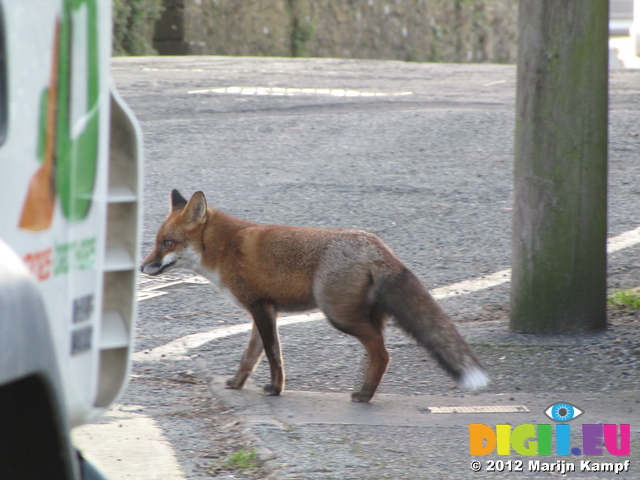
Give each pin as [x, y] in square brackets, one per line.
[133, 25]
[412, 30]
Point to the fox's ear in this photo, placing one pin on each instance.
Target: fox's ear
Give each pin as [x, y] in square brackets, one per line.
[196, 209]
[177, 200]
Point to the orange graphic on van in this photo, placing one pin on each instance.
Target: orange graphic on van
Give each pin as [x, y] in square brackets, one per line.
[69, 122]
[37, 210]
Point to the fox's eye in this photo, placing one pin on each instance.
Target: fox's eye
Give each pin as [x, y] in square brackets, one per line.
[167, 243]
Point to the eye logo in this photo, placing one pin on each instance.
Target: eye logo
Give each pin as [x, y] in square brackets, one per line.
[563, 412]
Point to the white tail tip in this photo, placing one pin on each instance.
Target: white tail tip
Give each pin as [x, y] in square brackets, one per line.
[474, 378]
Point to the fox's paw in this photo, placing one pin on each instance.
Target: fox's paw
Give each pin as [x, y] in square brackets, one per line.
[361, 397]
[233, 384]
[271, 390]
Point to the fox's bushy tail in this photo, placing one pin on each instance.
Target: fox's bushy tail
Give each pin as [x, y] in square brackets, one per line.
[403, 296]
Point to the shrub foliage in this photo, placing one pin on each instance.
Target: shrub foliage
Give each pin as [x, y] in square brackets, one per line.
[133, 25]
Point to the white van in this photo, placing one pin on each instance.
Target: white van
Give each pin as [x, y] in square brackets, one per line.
[70, 192]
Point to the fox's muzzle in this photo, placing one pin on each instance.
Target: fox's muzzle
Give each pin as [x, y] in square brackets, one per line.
[156, 268]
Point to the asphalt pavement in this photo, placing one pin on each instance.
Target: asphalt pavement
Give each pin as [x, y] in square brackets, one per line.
[421, 155]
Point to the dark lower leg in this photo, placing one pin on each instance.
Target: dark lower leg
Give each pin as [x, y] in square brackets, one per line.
[250, 359]
[264, 317]
[377, 366]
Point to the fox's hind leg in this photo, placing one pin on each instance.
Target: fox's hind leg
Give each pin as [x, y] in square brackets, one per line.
[368, 331]
[350, 311]
[343, 291]
[250, 359]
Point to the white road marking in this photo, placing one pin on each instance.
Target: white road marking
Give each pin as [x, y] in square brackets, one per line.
[282, 91]
[179, 349]
[624, 240]
[148, 286]
[473, 285]
[614, 244]
[151, 69]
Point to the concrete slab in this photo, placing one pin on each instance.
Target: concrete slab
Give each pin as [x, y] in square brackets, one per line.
[301, 408]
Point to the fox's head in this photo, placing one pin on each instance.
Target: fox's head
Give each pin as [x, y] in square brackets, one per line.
[178, 242]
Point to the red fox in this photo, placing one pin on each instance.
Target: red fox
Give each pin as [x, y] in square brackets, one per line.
[350, 275]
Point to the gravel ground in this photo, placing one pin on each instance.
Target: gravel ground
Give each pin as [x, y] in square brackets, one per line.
[430, 174]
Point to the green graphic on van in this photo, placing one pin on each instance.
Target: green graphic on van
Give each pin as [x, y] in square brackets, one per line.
[69, 122]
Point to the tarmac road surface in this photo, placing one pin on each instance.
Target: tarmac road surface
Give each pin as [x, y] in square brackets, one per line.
[421, 155]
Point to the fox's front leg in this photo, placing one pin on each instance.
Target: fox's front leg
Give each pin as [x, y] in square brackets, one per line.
[264, 318]
[250, 359]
